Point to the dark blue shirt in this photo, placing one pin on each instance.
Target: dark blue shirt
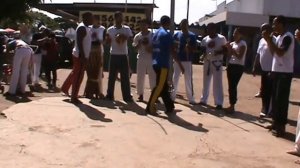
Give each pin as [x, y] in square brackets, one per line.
[162, 42]
[182, 40]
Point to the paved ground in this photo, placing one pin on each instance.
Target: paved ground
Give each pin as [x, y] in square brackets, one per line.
[47, 131]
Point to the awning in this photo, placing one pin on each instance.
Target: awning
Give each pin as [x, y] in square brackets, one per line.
[215, 19]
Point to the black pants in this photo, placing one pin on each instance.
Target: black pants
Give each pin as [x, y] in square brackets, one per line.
[234, 74]
[280, 97]
[119, 63]
[266, 91]
[49, 68]
[161, 90]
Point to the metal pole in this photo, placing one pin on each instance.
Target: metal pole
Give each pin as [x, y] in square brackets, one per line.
[172, 27]
[125, 7]
[188, 9]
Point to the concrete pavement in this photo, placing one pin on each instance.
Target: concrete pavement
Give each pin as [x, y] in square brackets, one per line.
[51, 132]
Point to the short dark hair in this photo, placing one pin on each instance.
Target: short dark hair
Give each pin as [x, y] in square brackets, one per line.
[183, 20]
[146, 21]
[118, 13]
[281, 19]
[165, 20]
[265, 26]
[85, 15]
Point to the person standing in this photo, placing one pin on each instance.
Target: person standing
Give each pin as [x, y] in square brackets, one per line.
[50, 60]
[187, 43]
[38, 40]
[118, 35]
[296, 150]
[23, 53]
[142, 42]
[94, 88]
[282, 73]
[214, 45]
[237, 51]
[265, 57]
[81, 53]
[163, 47]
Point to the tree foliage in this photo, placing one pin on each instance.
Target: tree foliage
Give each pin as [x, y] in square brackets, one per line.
[16, 9]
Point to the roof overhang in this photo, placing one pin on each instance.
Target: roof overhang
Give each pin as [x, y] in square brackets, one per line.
[72, 10]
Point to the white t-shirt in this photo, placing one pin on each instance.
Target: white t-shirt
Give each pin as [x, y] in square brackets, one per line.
[236, 46]
[284, 63]
[87, 42]
[212, 45]
[142, 52]
[266, 57]
[116, 48]
[99, 35]
[99, 31]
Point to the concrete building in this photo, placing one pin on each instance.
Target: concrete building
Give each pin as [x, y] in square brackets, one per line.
[250, 14]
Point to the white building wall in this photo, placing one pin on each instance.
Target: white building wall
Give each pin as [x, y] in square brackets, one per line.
[247, 6]
[288, 8]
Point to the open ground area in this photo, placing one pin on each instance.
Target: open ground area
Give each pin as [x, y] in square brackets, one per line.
[45, 130]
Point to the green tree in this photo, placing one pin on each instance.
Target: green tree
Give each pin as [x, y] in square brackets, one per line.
[16, 9]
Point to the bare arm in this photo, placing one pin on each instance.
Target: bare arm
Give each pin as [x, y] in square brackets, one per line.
[81, 33]
[279, 50]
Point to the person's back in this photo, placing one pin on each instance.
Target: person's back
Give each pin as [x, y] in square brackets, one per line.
[162, 41]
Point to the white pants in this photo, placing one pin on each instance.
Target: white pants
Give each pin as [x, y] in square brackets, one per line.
[36, 63]
[20, 70]
[145, 66]
[297, 146]
[211, 70]
[188, 75]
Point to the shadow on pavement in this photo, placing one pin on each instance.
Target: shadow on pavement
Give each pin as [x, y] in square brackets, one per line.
[176, 120]
[19, 98]
[92, 113]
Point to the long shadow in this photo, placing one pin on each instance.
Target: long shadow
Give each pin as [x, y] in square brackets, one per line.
[175, 119]
[133, 107]
[92, 113]
[103, 103]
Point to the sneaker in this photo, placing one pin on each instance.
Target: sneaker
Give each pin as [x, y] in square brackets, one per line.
[109, 98]
[219, 107]
[202, 103]
[230, 110]
[262, 115]
[75, 101]
[151, 112]
[279, 131]
[192, 103]
[170, 111]
[129, 100]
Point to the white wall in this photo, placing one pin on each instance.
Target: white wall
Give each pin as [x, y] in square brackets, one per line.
[288, 8]
[247, 6]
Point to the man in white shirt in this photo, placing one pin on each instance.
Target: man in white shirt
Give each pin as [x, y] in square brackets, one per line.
[118, 36]
[81, 53]
[21, 60]
[265, 58]
[142, 42]
[296, 150]
[282, 73]
[214, 45]
[94, 88]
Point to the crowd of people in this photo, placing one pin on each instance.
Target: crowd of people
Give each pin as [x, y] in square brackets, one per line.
[161, 55]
